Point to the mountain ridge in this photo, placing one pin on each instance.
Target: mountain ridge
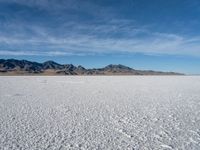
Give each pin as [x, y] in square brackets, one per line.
[25, 67]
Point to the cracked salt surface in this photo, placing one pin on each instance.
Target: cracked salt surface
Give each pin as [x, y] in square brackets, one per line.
[92, 112]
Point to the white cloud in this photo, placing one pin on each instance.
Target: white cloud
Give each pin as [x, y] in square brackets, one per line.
[37, 53]
[158, 43]
[77, 38]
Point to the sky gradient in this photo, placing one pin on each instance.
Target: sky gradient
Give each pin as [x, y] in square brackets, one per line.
[157, 35]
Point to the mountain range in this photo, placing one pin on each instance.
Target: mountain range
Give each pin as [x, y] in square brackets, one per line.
[24, 67]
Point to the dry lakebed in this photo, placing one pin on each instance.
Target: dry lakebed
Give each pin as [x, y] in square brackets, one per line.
[100, 112]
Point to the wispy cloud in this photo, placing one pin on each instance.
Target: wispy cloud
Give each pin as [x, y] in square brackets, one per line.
[62, 34]
[133, 40]
[39, 53]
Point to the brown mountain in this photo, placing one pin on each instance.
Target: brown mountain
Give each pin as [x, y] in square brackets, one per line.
[20, 67]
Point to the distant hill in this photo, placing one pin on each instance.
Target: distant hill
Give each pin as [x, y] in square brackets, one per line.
[24, 67]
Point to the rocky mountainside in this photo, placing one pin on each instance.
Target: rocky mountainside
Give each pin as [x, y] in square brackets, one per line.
[15, 67]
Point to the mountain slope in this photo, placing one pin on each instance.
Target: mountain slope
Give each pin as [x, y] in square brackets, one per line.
[14, 67]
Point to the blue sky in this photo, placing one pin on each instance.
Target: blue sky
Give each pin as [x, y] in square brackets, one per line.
[143, 34]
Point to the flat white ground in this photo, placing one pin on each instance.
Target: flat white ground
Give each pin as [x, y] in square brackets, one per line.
[100, 112]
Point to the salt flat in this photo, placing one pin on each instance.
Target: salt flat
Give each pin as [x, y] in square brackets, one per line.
[100, 112]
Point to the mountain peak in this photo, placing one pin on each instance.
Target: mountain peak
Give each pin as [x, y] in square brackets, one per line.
[119, 66]
[13, 66]
[50, 61]
[51, 65]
